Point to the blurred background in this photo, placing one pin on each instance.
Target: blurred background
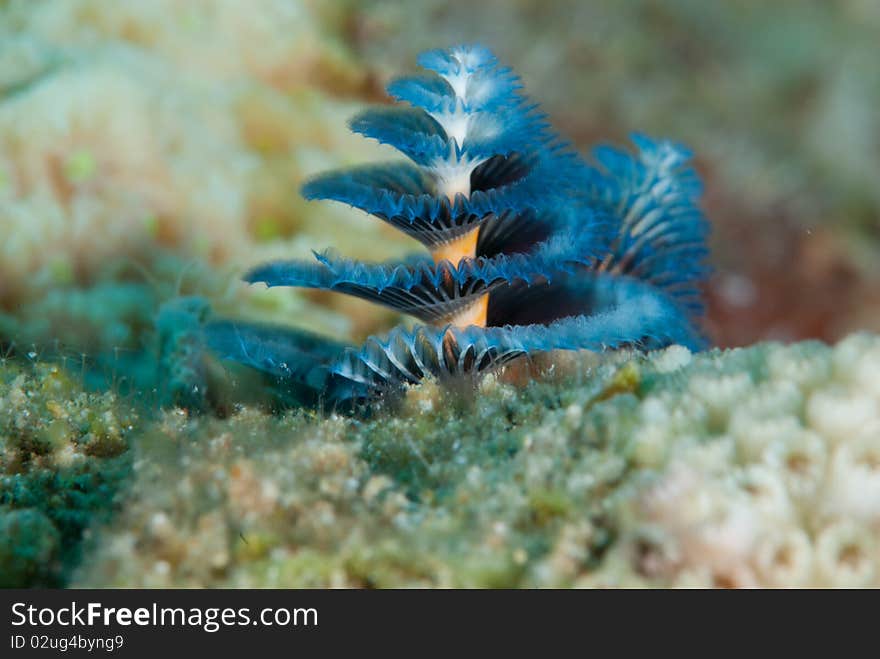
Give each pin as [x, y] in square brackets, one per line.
[155, 148]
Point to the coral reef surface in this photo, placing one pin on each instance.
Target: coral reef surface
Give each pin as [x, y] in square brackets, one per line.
[747, 467]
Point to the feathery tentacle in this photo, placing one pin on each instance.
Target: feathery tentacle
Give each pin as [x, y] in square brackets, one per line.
[626, 312]
[434, 292]
[531, 248]
[654, 196]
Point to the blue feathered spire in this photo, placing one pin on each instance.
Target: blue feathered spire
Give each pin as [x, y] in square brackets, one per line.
[478, 149]
[530, 248]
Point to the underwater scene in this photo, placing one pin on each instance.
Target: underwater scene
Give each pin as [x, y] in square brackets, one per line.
[499, 294]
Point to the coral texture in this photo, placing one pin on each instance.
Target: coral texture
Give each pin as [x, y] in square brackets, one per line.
[531, 249]
[756, 466]
[138, 140]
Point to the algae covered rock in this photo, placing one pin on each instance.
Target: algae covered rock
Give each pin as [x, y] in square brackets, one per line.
[29, 545]
[63, 457]
[754, 466]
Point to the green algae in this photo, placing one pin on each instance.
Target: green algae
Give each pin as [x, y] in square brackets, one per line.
[63, 459]
[29, 543]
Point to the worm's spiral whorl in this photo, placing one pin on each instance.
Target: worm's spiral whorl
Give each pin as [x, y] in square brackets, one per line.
[529, 248]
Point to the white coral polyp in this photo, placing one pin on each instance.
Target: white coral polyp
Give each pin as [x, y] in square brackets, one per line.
[866, 373]
[845, 555]
[753, 436]
[713, 525]
[808, 371]
[766, 491]
[672, 359]
[854, 480]
[770, 400]
[784, 558]
[840, 415]
[721, 394]
[800, 457]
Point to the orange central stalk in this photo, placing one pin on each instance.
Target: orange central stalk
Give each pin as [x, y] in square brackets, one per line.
[475, 314]
[454, 251]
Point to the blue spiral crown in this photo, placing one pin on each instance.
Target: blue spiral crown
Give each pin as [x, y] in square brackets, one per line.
[528, 248]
